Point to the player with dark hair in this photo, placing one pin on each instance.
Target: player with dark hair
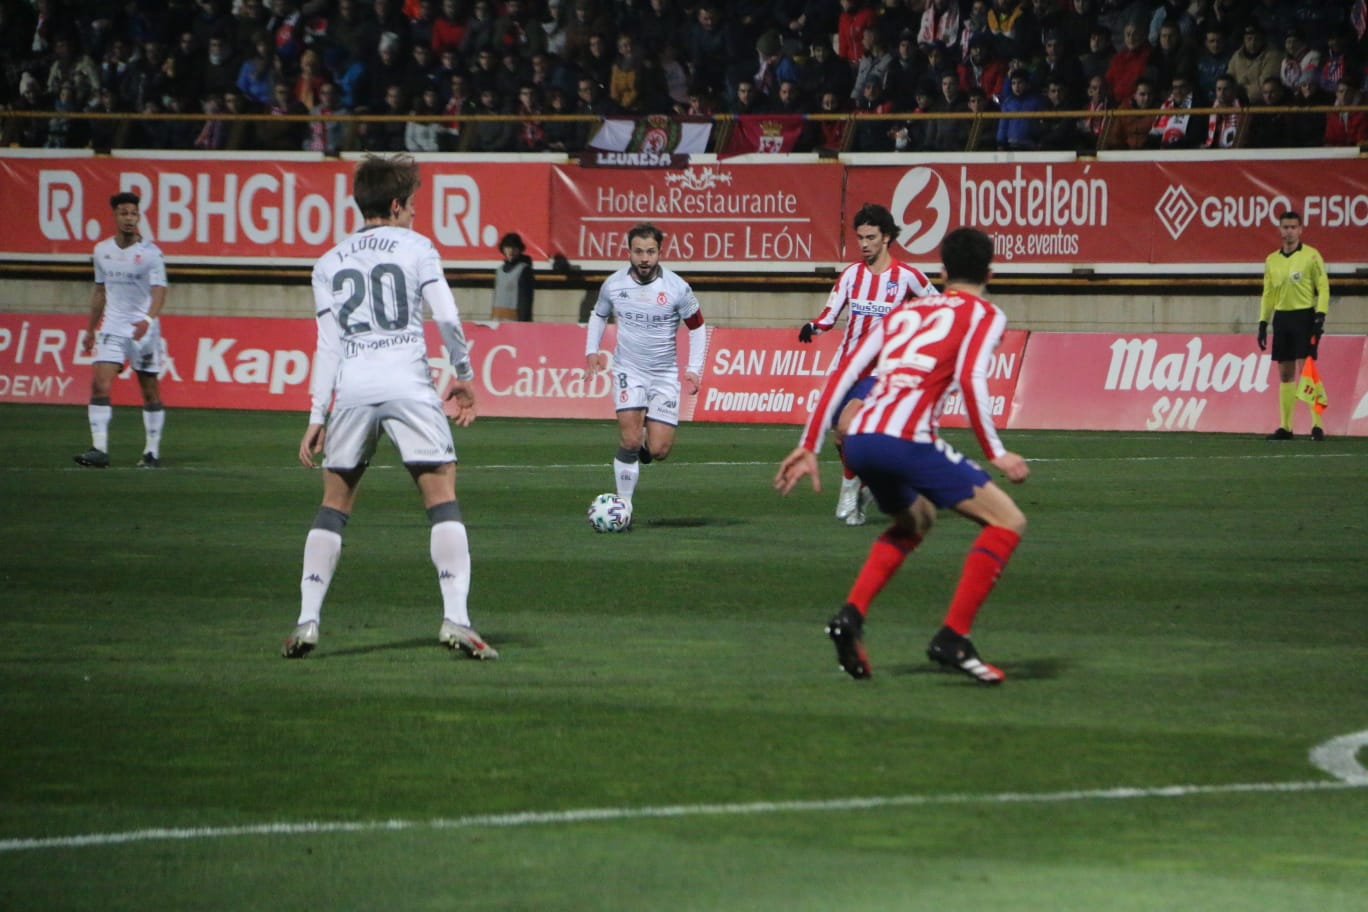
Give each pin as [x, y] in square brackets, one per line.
[1296, 297]
[920, 352]
[128, 297]
[649, 302]
[370, 376]
[871, 288]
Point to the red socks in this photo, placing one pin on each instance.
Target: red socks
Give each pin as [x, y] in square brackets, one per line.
[845, 469]
[885, 557]
[987, 558]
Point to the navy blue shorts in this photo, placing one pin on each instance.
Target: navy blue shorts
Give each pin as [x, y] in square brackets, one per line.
[859, 391]
[898, 470]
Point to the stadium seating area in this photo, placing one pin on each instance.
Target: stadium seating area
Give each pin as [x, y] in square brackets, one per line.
[538, 58]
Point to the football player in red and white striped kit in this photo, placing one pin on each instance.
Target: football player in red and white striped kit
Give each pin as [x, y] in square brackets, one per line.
[872, 287]
[918, 354]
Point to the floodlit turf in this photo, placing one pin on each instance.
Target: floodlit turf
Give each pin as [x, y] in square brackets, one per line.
[667, 728]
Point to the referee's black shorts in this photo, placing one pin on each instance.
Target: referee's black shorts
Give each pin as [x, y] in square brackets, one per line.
[1292, 333]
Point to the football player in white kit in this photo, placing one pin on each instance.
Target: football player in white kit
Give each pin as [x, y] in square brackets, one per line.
[649, 302]
[371, 370]
[129, 293]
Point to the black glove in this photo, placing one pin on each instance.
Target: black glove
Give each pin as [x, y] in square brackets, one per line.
[1317, 325]
[805, 334]
[1263, 335]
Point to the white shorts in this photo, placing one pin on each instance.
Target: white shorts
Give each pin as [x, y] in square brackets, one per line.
[418, 429]
[143, 355]
[658, 394]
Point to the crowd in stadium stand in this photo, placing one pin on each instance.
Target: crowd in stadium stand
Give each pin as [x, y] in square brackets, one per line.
[534, 58]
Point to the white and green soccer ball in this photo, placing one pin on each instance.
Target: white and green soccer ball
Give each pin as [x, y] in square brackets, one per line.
[609, 513]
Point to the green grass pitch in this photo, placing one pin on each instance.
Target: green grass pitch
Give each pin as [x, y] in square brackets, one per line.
[667, 729]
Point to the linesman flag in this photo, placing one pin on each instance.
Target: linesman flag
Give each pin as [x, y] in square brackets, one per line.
[1311, 390]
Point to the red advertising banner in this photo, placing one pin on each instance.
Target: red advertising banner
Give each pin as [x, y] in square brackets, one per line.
[259, 211]
[521, 369]
[1085, 381]
[1177, 382]
[1044, 216]
[1128, 215]
[722, 217]
[1205, 214]
[767, 375]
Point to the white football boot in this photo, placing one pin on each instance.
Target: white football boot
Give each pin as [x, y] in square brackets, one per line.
[458, 636]
[301, 642]
[862, 501]
[849, 501]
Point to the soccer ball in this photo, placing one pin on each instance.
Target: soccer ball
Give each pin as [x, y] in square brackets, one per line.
[609, 513]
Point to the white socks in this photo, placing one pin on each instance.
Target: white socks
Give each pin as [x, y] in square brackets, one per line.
[627, 474]
[153, 422]
[450, 549]
[321, 550]
[99, 417]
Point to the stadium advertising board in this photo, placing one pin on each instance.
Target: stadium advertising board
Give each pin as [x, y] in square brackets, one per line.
[719, 216]
[529, 370]
[258, 212]
[1044, 216]
[521, 369]
[766, 375]
[1177, 382]
[1125, 215]
[1082, 381]
[1205, 214]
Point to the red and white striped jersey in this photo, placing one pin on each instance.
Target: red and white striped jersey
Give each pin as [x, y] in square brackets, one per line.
[871, 295]
[920, 353]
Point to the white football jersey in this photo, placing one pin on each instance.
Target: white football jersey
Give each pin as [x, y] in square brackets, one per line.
[648, 318]
[128, 275]
[368, 300]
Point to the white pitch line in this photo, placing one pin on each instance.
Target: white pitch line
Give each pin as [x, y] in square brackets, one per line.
[1339, 757]
[598, 466]
[591, 815]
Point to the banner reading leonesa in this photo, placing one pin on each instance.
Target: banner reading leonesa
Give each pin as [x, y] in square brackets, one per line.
[259, 212]
[724, 217]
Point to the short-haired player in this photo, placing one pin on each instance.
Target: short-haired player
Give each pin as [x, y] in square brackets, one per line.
[649, 303]
[922, 350]
[124, 329]
[870, 288]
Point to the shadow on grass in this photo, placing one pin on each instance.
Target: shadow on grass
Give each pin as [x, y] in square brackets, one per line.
[498, 640]
[416, 643]
[1043, 669]
[688, 522]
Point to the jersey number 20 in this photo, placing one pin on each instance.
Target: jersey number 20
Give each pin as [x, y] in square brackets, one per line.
[388, 299]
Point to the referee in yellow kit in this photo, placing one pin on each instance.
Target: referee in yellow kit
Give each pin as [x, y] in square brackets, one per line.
[1296, 297]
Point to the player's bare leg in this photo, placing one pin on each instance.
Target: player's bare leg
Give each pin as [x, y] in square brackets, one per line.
[99, 414]
[658, 441]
